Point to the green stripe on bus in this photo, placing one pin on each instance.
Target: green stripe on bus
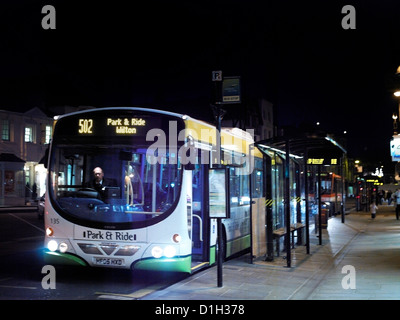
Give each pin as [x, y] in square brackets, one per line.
[183, 264]
[237, 245]
[63, 258]
[213, 255]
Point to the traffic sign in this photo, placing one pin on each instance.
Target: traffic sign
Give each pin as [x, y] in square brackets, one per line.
[217, 75]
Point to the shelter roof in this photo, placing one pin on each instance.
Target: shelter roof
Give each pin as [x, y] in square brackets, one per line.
[316, 145]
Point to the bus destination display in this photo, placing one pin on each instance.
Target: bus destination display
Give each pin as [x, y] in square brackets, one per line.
[117, 126]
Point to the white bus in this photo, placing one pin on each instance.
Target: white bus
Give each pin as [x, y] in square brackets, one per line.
[152, 210]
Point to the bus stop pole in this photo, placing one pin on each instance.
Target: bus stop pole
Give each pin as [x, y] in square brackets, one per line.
[344, 193]
[251, 148]
[268, 210]
[319, 206]
[306, 191]
[220, 255]
[287, 205]
[219, 114]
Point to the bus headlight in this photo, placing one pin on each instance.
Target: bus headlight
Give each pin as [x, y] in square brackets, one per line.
[52, 245]
[169, 251]
[63, 247]
[156, 252]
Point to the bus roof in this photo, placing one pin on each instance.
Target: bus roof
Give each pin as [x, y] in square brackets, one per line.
[193, 125]
[173, 114]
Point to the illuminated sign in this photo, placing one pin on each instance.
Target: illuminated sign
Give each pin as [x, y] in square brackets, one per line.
[218, 192]
[375, 182]
[315, 161]
[104, 126]
[121, 126]
[126, 125]
[231, 90]
[322, 161]
[395, 148]
[85, 126]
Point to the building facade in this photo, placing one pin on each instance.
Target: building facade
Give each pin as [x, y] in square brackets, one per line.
[256, 114]
[24, 139]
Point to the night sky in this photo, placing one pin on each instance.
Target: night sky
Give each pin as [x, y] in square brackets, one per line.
[161, 54]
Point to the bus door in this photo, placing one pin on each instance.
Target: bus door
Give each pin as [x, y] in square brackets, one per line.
[200, 221]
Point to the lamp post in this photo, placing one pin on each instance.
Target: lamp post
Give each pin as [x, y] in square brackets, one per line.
[219, 115]
[397, 95]
[395, 116]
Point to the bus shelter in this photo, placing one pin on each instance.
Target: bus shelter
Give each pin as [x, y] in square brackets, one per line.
[293, 169]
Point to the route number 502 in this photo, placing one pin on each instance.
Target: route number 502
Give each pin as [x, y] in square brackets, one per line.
[85, 126]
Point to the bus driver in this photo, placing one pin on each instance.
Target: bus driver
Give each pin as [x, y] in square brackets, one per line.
[99, 182]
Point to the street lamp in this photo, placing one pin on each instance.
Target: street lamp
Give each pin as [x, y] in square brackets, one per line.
[397, 95]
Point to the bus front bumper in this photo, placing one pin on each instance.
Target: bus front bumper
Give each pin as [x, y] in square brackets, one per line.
[55, 257]
[177, 264]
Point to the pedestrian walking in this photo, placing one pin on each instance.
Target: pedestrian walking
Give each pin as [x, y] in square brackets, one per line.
[373, 208]
[381, 195]
[389, 197]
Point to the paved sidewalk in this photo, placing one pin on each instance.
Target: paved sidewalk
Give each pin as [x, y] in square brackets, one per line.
[371, 246]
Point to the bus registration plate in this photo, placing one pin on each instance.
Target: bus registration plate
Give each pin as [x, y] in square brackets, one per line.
[109, 262]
